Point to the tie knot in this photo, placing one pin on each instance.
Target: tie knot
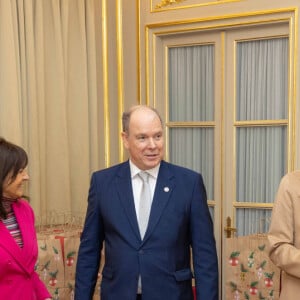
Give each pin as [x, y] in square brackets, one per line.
[144, 176]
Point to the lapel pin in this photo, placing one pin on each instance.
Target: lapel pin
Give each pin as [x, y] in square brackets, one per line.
[166, 189]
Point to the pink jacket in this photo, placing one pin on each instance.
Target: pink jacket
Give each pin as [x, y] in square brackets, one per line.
[18, 280]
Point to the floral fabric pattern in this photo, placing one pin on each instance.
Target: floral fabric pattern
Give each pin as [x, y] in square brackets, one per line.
[250, 274]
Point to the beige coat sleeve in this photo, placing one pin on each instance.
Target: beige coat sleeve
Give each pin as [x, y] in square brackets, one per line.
[284, 232]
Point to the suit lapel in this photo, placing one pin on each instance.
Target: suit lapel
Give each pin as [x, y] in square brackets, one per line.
[124, 189]
[25, 222]
[8, 243]
[164, 186]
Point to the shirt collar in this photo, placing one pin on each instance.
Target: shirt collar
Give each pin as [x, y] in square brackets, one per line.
[134, 170]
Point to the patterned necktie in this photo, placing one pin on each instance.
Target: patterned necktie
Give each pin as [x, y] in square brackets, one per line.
[145, 203]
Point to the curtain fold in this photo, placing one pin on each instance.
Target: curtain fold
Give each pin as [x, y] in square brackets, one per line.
[48, 91]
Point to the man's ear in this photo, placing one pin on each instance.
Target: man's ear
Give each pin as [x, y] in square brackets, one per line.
[124, 136]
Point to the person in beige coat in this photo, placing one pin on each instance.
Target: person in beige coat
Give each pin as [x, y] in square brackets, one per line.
[284, 235]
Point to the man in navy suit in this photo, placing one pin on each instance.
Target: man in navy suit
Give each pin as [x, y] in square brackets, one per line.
[156, 265]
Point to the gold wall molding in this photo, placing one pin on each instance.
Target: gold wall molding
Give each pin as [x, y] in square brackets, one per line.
[120, 61]
[105, 72]
[165, 3]
[229, 17]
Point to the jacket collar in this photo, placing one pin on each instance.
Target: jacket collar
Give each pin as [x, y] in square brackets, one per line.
[163, 190]
[8, 243]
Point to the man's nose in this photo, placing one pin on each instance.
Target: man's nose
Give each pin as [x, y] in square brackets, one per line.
[152, 143]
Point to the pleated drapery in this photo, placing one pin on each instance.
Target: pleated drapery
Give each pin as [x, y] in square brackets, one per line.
[48, 92]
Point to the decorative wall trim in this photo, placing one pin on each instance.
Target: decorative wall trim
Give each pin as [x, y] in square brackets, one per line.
[164, 3]
[105, 82]
[120, 61]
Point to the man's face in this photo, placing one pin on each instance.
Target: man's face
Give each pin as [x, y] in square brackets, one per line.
[144, 140]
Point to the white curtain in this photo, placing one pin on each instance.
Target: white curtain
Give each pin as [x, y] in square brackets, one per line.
[48, 92]
[262, 94]
[191, 90]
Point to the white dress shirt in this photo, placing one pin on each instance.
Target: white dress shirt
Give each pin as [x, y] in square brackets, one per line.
[137, 182]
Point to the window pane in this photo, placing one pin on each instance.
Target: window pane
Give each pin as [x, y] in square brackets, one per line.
[194, 148]
[252, 221]
[261, 162]
[262, 79]
[191, 83]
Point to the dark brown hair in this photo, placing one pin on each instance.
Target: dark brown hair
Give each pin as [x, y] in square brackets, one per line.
[12, 159]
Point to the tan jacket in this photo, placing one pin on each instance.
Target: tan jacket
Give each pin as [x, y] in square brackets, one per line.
[284, 235]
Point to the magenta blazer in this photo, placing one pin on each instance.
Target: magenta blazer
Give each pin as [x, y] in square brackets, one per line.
[18, 280]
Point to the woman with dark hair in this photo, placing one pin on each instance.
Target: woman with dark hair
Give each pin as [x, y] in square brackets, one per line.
[18, 243]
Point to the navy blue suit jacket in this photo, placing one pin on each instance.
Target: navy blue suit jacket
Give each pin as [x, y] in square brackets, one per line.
[179, 220]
